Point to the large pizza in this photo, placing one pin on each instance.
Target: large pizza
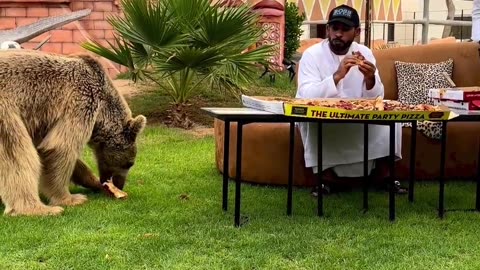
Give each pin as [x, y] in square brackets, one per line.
[377, 104]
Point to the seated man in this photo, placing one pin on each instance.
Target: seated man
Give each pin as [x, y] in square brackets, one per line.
[329, 69]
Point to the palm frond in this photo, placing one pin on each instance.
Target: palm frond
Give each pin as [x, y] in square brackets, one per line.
[234, 28]
[241, 67]
[181, 58]
[121, 53]
[188, 13]
[147, 22]
[142, 54]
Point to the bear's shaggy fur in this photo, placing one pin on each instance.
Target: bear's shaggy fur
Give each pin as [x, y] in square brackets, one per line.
[51, 107]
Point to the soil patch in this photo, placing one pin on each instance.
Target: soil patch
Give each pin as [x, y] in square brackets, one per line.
[203, 123]
[128, 88]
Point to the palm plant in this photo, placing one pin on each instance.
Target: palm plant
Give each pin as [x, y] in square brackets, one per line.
[182, 44]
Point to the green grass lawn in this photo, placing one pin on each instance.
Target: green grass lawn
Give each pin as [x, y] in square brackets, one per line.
[173, 220]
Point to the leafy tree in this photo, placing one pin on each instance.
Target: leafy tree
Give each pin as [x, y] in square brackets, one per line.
[293, 32]
[180, 44]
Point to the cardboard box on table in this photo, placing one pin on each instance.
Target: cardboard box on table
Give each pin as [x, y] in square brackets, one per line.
[280, 106]
[457, 98]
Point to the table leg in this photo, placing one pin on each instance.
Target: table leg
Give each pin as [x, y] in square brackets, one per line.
[413, 154]
[441, 205]
[226, 155]
[477, 201]
[320, 170]
[392, 172]
[365, 167]
[238, 177]
[290, 168]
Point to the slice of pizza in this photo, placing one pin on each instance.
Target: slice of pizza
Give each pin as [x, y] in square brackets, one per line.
[427, 107]
[358, 57]
[112, 190]
[378, 104]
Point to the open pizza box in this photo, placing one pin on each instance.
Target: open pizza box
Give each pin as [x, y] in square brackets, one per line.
[457, 98]
[307, 108]
[275, 105]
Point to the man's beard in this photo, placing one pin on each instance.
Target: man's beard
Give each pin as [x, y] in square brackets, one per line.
[339, 46]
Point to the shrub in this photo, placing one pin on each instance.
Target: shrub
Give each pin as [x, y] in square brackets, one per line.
[293, 32]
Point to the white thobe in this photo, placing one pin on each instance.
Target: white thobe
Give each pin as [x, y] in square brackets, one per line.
[476, 21]
[342, 143]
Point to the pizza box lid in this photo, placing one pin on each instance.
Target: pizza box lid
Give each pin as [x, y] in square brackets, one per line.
[467, 93]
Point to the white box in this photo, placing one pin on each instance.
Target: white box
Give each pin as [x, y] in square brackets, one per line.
[473, 105]
[458, 93]
[263, 105]
[458, 98]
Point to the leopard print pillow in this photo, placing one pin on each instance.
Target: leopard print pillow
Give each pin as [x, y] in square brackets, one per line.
[414, 80]
[431, 129]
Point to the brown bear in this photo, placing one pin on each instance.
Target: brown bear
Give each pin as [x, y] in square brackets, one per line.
[51, 107]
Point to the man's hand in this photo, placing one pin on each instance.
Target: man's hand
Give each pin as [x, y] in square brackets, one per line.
[348, 62]
[368, 70]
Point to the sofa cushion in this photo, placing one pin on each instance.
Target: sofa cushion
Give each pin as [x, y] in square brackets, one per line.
[414, 80]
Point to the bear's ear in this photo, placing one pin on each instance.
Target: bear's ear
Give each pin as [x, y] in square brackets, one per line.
[137, 124]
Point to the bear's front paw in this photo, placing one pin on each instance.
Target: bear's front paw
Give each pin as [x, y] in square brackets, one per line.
[41, 210]
[74, 199]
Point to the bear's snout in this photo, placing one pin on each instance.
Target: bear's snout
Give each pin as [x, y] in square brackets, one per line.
[119, 181]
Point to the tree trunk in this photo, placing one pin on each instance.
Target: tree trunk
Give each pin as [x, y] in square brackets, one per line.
[447, 29]
[178, 116]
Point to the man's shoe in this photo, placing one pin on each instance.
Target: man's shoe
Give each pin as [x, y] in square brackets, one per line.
[399, 190]
[325, 190]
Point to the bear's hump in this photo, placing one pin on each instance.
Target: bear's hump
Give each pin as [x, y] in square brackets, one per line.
[29, 57]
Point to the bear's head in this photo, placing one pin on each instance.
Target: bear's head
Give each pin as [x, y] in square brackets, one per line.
[117, 155]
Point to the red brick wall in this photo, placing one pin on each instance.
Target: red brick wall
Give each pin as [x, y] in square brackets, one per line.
[67, 39]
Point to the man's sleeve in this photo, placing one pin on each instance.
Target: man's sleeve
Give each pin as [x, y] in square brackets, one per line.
[476, 21]
[310, 81]
[378, 89]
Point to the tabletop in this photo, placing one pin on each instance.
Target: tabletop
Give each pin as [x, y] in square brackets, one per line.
[242, 113]
[466, 116]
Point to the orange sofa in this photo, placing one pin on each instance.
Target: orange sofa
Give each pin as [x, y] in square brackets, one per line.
[266, 146]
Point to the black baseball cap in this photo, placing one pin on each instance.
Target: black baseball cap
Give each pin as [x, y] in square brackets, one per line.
[344, 14]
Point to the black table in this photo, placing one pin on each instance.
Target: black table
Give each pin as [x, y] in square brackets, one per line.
[463, 116]
[243, 116]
